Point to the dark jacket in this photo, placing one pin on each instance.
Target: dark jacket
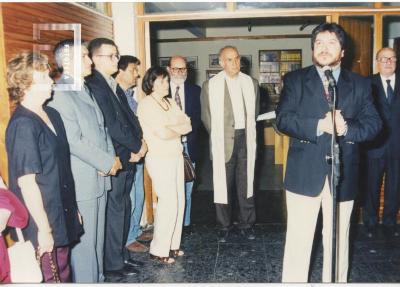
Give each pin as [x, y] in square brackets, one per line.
[389, 137]
[301, 105]
[122, 124]
[193, 111]
[33, 149]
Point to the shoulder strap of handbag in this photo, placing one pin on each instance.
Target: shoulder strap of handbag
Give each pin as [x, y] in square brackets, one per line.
[20, 235]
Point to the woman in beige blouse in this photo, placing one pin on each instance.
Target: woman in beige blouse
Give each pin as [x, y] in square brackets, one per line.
[163, 124]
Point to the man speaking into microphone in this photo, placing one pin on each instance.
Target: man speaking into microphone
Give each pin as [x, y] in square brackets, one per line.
[304, 114]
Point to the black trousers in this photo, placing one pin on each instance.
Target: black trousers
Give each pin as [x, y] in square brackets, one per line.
[118, 214]
[375, 170]
[236, 175]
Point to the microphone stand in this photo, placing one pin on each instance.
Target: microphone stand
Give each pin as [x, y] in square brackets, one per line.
[334, 182]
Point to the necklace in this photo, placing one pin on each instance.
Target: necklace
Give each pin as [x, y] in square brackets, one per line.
[165, 109]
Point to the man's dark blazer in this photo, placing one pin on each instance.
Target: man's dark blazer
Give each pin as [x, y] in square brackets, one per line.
[301, 105]
[389, 137]
[123, 126]
[193, 111]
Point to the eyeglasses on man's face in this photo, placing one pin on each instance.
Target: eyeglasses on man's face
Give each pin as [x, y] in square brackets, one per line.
[388, 59]
[112, 56]
[182, 70]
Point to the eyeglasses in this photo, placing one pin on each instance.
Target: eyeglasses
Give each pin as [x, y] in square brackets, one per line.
[387, 59]
[115, 56]
[179, 70]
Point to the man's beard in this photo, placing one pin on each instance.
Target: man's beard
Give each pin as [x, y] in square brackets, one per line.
[178, 80]
[334, 63]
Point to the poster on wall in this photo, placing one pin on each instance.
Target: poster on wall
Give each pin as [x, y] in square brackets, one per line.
[163, 61]
[211, 73]
[274, 64]
[213, 61]
[245, 61]
[191, 62]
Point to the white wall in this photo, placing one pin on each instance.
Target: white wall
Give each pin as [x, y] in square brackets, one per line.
[202, 49]
[124, 27]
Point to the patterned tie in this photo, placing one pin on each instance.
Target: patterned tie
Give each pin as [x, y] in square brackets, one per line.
[325, 82]
[177, 98]
[134, 103]
[389, 92]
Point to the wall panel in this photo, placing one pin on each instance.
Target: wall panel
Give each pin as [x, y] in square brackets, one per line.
[16, 34]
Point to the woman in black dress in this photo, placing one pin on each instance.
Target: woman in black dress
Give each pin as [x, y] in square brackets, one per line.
[39, 165]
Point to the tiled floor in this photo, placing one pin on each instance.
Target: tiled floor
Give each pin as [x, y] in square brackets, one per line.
[260, 260]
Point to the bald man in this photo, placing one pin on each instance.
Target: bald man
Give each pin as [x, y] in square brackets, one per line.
[229, 107]
[383, 153]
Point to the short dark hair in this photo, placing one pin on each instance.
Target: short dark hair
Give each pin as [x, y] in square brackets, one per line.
[125, 60]
[95, 44]
[151, 75]
[332, 28]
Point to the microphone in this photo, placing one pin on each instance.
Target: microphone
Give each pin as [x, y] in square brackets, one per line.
[328, 74]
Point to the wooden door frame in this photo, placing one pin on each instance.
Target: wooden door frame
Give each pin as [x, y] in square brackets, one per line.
[143, 20]
[4, 102]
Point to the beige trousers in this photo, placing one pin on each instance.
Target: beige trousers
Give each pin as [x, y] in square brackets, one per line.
[168, 183]
[301, 221]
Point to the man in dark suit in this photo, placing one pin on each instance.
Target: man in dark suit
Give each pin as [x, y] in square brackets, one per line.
[127, 77]
[187, 96]
[303, 113]
[383, 153]
[126, 135]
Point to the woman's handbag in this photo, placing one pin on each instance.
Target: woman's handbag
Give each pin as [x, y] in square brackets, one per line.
[24, 266]
[190, 174]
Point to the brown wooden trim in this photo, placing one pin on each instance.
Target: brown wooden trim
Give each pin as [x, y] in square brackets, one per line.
[4, 102]
[139, 8]
[264, 13]
[378, 37]
[108, 8]
[335, 18]
[231, 6]
[91, 10]
[260, 37]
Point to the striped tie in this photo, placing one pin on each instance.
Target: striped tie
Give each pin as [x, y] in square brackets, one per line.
[177, 98]
[389, 92]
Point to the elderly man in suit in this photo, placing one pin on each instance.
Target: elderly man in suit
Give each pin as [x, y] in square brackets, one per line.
[229, 106]
[303, 113]
[187, 97]
[383, 153]
[93, 158]
[126, 135]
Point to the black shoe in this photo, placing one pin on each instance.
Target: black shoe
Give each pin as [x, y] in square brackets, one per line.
[126, 271]
[248, 233]
[133, 263]
[187, 230]
[390, 231]
[370, 231]
[222, 235]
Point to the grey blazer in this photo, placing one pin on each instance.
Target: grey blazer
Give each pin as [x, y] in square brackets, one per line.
[229, 122]
[90, 144]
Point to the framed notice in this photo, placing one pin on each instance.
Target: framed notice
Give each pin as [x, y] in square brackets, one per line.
[273, 65]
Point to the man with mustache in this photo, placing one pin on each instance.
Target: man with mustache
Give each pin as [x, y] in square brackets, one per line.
[303, 113]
